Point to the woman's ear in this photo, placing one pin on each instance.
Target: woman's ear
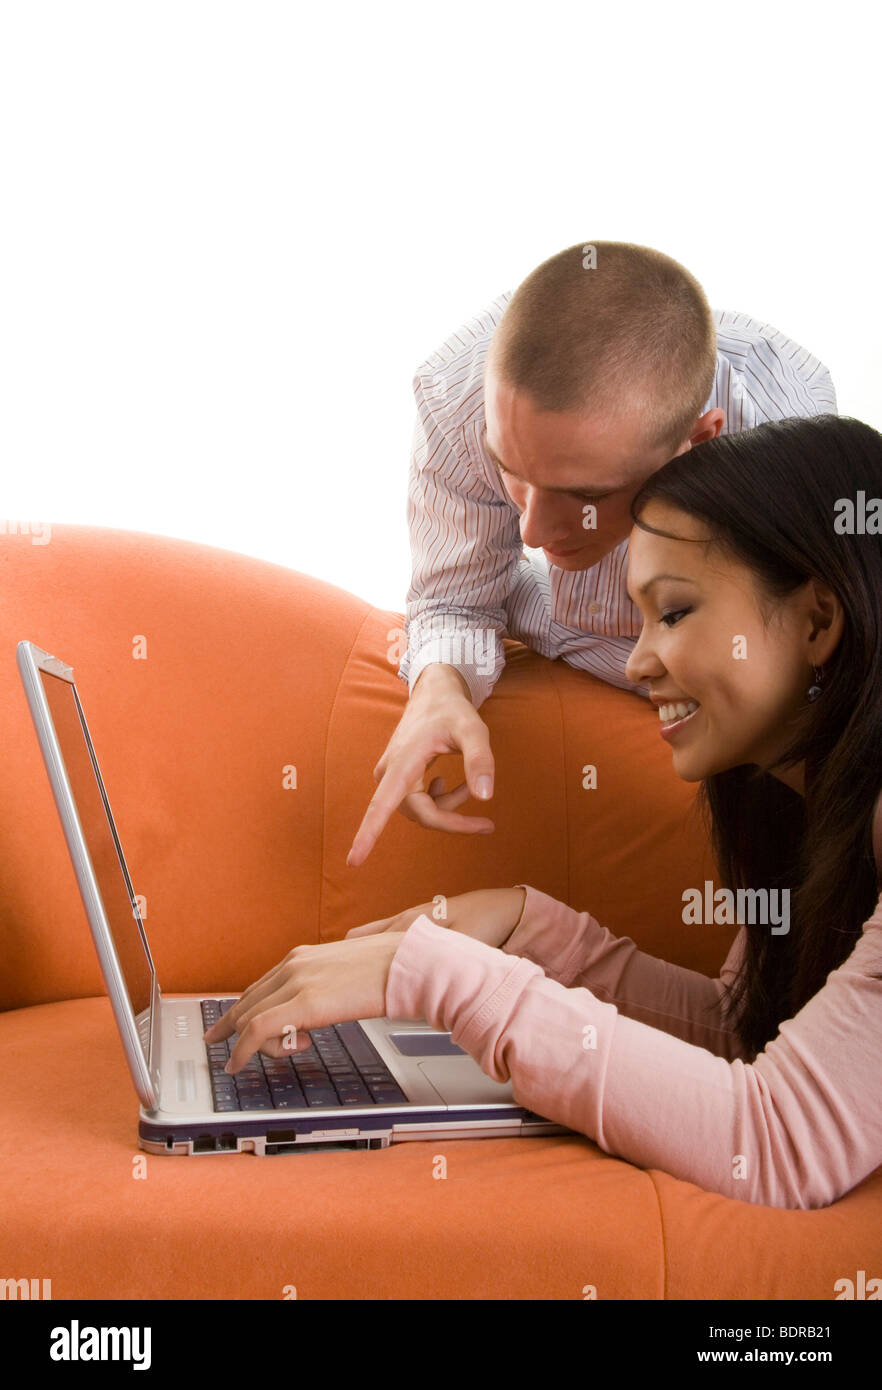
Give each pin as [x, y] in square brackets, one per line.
[827, 621]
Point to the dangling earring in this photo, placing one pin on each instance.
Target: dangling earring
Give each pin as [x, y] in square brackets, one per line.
[815, 690]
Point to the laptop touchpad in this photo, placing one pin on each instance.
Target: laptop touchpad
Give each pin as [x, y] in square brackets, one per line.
[463, 1083]
[425, 1045]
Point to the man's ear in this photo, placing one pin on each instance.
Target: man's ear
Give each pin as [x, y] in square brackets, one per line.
[708, 426]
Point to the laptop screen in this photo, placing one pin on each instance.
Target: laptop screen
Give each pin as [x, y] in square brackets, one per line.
[102, 842]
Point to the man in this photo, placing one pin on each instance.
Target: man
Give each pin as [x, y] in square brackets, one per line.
[538, 421]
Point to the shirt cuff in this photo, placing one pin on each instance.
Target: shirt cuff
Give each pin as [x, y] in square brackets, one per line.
[479, 682]
[556, 937]
[457, 984]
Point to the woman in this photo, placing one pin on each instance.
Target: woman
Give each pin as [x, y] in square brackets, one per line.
[756, 562]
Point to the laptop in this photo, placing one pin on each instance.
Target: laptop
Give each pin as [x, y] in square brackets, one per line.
[363, 1083]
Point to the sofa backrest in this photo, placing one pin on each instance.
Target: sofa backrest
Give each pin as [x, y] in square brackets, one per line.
[238, 709]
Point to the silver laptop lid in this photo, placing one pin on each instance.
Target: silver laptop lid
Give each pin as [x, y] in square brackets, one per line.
[100, 866]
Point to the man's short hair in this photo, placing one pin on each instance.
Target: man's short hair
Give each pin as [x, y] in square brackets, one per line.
[625, 333]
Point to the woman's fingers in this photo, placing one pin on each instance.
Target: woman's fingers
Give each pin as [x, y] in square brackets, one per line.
[371, 928]
[271, 1027]
[245, 1004]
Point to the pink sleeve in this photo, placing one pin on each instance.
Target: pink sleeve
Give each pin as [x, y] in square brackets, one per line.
[797, 1128]
[573, 948]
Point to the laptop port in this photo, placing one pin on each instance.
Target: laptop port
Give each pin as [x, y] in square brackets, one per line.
[228, 1141]
[204, 1144]
[321, 1146]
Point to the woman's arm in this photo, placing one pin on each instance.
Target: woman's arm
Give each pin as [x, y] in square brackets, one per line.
[574, 949]
[797, 1128]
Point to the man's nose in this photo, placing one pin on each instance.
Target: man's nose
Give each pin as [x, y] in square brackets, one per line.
[543, 521]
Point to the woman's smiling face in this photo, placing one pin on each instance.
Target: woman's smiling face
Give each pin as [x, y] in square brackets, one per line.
[705, 640]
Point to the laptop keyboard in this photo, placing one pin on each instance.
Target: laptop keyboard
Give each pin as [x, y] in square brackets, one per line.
[341, 1068]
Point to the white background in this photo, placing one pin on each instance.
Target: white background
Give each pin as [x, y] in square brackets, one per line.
[230, 232]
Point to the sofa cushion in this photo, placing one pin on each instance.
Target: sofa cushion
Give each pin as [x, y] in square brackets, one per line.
[513, 1218]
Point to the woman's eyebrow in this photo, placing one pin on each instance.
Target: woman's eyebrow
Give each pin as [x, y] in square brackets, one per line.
[657, 578]
[594, 491]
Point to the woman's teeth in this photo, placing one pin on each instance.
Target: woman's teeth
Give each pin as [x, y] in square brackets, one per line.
[668, 714]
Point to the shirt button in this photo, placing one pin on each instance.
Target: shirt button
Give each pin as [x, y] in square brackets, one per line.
[594, 608]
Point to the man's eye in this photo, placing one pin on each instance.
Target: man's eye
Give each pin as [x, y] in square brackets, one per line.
[674, 613]
[592, 497]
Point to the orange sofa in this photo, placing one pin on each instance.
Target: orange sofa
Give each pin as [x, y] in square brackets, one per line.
[204, 675]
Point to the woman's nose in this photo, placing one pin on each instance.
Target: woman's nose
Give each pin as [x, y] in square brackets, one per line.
[641, 664]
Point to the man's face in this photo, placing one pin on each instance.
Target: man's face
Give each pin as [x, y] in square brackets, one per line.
[556, 466]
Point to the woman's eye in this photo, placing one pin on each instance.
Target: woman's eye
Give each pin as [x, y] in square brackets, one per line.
[674, 613]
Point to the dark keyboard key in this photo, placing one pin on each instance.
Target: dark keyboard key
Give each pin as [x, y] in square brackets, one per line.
[289, 1102]
[224, 1106]
[357, 1044]
[349, 1095]
[321, 1098]
[276, 1091]
[388, 1095]
[255, 1102]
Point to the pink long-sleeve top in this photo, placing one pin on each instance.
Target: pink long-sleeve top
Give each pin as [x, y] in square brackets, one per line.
[635, 1052]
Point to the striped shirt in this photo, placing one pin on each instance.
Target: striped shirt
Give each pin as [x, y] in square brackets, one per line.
[474, 582]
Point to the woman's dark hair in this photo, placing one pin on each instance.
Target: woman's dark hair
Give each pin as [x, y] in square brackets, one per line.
[768, 497]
